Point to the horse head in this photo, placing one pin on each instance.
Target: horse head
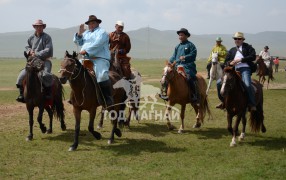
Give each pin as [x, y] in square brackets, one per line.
[168, 72]
[34, 63]
[229, 80]
[214, 57]
[69, 64]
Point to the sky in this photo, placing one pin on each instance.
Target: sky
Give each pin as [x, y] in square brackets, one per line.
[198, 16]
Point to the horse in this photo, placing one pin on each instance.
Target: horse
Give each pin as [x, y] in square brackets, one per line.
[84, 96]
[263, 71]
[179, 93]
[215, 71]
[236, 104]
[34, 97]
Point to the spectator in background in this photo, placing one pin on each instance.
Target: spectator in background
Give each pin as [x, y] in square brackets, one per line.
[276, 64]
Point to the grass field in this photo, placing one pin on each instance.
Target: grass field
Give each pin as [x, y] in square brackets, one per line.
[146, 151]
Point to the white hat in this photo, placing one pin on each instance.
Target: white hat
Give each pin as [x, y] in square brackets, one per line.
[120, 23]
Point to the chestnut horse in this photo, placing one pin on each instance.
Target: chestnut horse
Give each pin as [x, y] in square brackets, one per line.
[83, 96]
[34, 96]
[236, 104]
[263, 71]
[179, 93]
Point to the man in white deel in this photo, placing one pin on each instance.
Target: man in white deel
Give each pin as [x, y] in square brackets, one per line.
[265, 55]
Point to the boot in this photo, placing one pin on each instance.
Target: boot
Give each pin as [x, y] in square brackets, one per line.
[20, 98]
[194, 90]
[163, 94]
[48, 92]
[105, 94]
[209, 65]
[63, 80]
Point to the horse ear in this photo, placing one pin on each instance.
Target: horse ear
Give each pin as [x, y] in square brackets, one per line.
[174, 63]
[67, 53]
[166, 62]
[74, 54]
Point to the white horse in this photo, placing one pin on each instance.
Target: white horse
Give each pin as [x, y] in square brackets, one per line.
[216, 70]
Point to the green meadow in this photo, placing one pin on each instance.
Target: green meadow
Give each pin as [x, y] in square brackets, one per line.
[148, 150]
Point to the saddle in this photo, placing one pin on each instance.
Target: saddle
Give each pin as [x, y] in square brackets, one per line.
[182, 72]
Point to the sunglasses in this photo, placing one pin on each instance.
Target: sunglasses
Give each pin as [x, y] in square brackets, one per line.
[237, 39]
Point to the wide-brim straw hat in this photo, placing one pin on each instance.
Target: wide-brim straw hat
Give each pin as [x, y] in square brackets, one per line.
[93, 18]
[120, 23]
[185, 31]
[238, 35]
[39, 22]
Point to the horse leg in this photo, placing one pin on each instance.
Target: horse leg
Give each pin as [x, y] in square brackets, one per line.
[198, 122]
[268, 81]
[114, 130]
[50, 113]
[183, 108]
[242, 134]
[235, 131]
[95, 134]
[167, 115]
[40, 120]
[209, 85]
[31, 123]
[100, 124]
[77, 115]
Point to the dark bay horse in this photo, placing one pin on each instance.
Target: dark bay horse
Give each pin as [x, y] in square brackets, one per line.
[236, 104]
[34, 97]
[179, 93]
[83, 96]
[263, 71]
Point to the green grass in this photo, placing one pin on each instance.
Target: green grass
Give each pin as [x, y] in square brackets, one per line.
[147, 150]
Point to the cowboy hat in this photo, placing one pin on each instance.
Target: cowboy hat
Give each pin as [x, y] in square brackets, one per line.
[185, 31]
[39, 22]
[238, 35]
[219, 39]
[120, 23]
[93, 18]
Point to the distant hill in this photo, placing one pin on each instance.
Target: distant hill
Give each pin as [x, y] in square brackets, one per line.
[146, 42]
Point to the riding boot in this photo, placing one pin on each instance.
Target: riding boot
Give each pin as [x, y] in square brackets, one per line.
[209, 69]
[105, 92]
[20, 98]
[193, 89]
[48, 92]
[164, 89]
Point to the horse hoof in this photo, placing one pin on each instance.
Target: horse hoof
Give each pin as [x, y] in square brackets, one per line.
[44, 129]
[110, 141]
[197, 125]
[180, 131]
[263, 129]
[99, 126]
[118, 132]
[49, 131]
[72, 149]
[97, 135]
[171, 127]
[232, 144]
[64, 127]
[29, 138]
[241, 138]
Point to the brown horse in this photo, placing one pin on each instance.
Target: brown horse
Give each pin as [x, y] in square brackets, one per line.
[236, 104]
[83, 96]
[34, 97]
[179, 93]
[263, 71]
[123, 71]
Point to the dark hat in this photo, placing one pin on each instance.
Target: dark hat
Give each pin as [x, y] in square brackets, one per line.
[185, 31]
[93, 18]
[266, 47]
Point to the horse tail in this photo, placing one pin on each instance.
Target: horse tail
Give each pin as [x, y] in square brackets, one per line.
[58, 106]
[256, 119]
[205, 107]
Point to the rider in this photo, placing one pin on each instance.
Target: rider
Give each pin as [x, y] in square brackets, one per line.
[94, 46]
[185, 55]
[120, 43]
[39, 45]
[265, 55]
[221, 50]
[242, 56]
